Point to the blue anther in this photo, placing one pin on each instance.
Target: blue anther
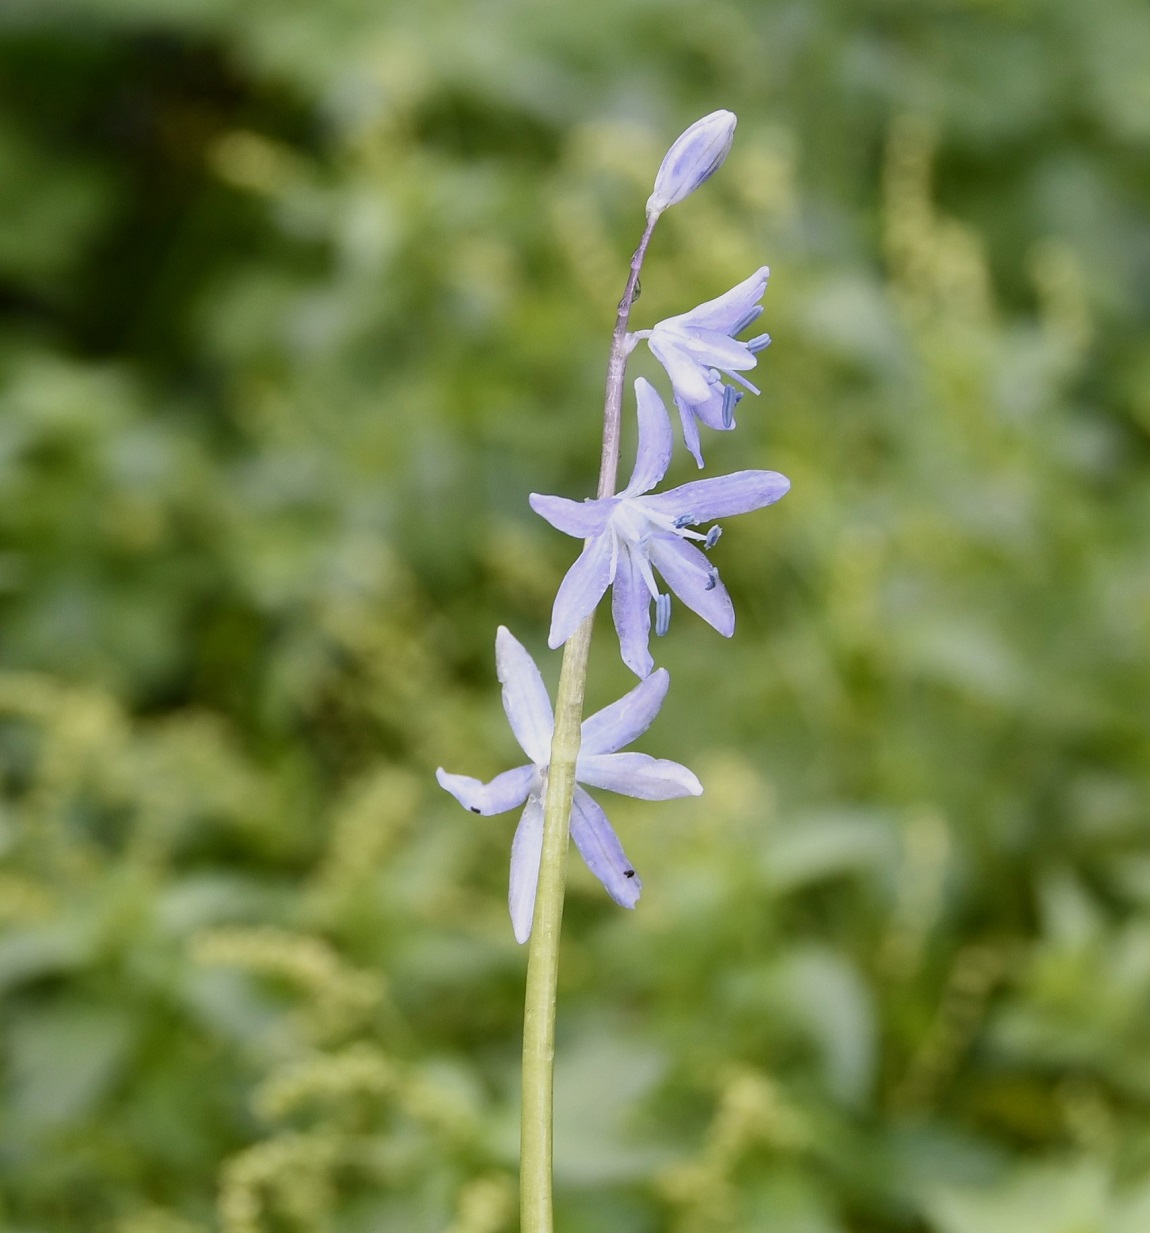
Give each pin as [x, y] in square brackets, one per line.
[662, 614]
[731, 398]
[685, 520]
[712, 580]
[752, 314]
[759, 344]
[712, 537]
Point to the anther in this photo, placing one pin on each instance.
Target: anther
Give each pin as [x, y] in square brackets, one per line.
[685, 520]
[712, 537]
[759, 344]
[662, 614]
[731, 398]
[712, 579]
[752, 314]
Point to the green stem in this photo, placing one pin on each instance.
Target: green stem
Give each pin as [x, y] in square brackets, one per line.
[536, 1134]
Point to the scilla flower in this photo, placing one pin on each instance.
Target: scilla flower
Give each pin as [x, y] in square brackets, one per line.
[631, 535]
[698, 347]
[528, 708]
[696, 155]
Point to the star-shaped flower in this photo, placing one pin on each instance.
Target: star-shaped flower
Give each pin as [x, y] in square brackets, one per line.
[631, 534]
[528, 708]
[698, 347]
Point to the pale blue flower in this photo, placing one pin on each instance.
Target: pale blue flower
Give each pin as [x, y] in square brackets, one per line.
[600, 765]
[694, 157]
[699, 347]
[631, 535]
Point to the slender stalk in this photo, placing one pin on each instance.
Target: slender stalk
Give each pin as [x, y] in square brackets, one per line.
[543, 955]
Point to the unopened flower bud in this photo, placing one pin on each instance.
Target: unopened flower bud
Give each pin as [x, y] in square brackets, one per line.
[696, 155]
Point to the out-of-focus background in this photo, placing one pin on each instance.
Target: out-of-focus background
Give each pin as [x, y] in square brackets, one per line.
[298, 302]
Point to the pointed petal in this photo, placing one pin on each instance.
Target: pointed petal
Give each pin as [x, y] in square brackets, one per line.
[526, 848]
[690, 421]
[729, 309]
[525, 697]
[631, 610]
[653, 456]
[582, 519]
[638, 774]
[582, 588]
[600, 848]
[688, 376]
[690, 575]
[722, 496]
[504, 792]
[715, 349]
[711, 411]
[623, 721]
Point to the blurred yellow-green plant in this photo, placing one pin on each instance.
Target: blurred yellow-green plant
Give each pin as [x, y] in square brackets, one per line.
[297, 304]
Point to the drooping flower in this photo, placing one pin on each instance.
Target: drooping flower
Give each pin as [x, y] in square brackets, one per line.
[693, 158]
[632, 534]
[699, 347]
[528, 707]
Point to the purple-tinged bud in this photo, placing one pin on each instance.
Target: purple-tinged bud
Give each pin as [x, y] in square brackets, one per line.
[694, 158]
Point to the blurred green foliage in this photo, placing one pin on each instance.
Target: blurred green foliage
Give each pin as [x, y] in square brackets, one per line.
[299, 301]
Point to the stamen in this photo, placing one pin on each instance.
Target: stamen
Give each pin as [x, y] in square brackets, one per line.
[712, 579]
[685, 520]
[731, 397]
[752, 314]
[759, 344]
[712, 537]
[662, 615]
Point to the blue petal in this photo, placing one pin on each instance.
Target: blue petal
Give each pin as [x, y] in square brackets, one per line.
[693, 579]
[653, 456]
[728, 310]
[689, 418]
[631, 610]
[504, 792]
[582, 588]
[689, 378]
[525, 698]
[623, 721]
[600, 848]
[722, 496]
[526, 849]
[583, 519]
[716, 349]
[638, 774]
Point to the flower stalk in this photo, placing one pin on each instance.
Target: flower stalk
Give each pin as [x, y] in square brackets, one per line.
[536, 1124]
[627, 535]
